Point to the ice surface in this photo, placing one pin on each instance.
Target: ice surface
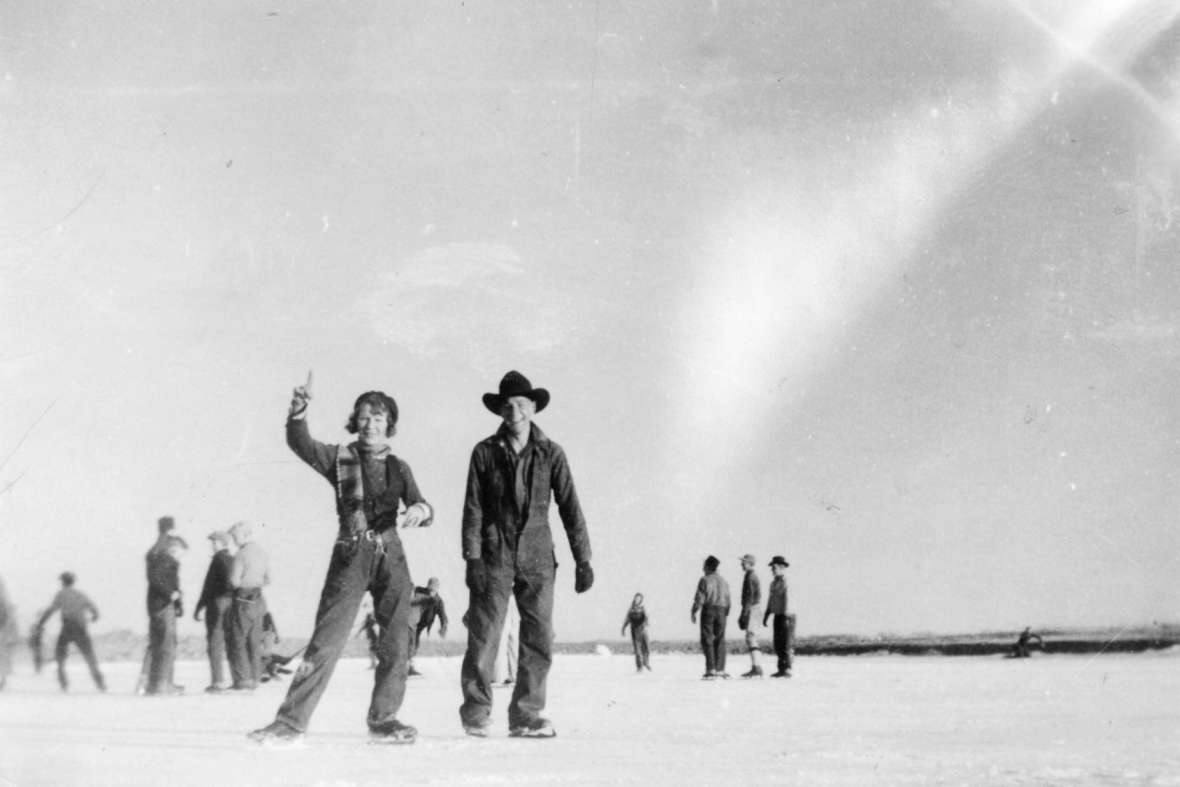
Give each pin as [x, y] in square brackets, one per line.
[840, 721]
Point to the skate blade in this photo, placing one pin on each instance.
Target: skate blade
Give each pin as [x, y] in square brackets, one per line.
[391, 740]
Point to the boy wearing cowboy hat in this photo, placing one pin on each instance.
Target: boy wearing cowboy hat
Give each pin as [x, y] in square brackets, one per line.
[784, 622]
[508, 547]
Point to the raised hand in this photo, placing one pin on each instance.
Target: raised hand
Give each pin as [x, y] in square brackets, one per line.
[301, 396]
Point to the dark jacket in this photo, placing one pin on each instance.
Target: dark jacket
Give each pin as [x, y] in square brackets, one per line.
[216, 579]
[163, 577]
[776, 600]
[495, 528]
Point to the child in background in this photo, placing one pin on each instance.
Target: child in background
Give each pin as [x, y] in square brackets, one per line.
[637, 619]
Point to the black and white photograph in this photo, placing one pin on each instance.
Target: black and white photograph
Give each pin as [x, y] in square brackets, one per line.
[589, 392]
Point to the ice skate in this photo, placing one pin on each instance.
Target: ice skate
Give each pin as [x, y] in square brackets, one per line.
[537, 728]
[392, 732]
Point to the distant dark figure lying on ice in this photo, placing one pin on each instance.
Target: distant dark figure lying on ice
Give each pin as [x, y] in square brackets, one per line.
[1022, 647]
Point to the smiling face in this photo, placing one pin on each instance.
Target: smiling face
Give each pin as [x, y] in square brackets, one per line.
[517, 412]
[372, 424]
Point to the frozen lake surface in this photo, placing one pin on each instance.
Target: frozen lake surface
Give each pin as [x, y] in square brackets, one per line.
[1109, 719]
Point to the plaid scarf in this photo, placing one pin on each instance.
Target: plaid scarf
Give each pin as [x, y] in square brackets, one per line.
[350, 484]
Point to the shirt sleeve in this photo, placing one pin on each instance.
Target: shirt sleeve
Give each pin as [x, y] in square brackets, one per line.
[568, 507]
[320, 456]
[698, 600]
[237, 570]
[410, 493]
[473, 506]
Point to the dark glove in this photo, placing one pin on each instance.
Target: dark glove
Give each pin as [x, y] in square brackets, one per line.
[477, 576]
[583, 577]
[743, 620]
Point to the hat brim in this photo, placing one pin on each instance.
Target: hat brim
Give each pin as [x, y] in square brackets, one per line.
[777, 563]
[495, 402]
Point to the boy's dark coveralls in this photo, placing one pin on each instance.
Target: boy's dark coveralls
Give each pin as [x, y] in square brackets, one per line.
[506, 525]
[163, 576]
[372, 560]
[216, 598]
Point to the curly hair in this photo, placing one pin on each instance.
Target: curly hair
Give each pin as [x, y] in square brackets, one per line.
[377, 400]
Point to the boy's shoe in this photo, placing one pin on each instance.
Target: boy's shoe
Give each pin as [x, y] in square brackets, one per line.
[754, 672]
[275, 732]
[392, 732]
[479, 730]
[537, 728]
[215, 689]
[710, 675]
[782, 674]
[413, 672]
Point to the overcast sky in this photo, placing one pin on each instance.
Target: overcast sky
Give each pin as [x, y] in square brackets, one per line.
[888, 288]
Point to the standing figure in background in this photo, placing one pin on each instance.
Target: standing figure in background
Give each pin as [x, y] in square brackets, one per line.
[165, 526]
[784, 621]
[512, 478]
[77, 612]
[248, 574]
[637, 619]
[36, 648]
[370, 485]
[427, 606]
[372, 631]
[215, 601]
[8, 635]
[712, 601]
[164, 605]
[507, 651]
[748, 617]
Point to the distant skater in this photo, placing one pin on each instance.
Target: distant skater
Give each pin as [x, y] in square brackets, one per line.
[712, 601]
[427, 607]
[248, 574]
[370, 484]
[372, 631]
[636, 618]
[784, 621]
[1023, 647]
[748, 617]
[77, 612]
[215, 601]
[165, 533]
[164, 605]
[9, 635]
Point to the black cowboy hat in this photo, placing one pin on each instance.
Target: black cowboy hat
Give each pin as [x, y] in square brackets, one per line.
[515, 384]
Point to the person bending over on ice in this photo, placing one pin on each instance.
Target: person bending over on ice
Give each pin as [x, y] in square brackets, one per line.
[637, 620]
[1023, 647]
[509, 552]
[369, 484]
[427, 607]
